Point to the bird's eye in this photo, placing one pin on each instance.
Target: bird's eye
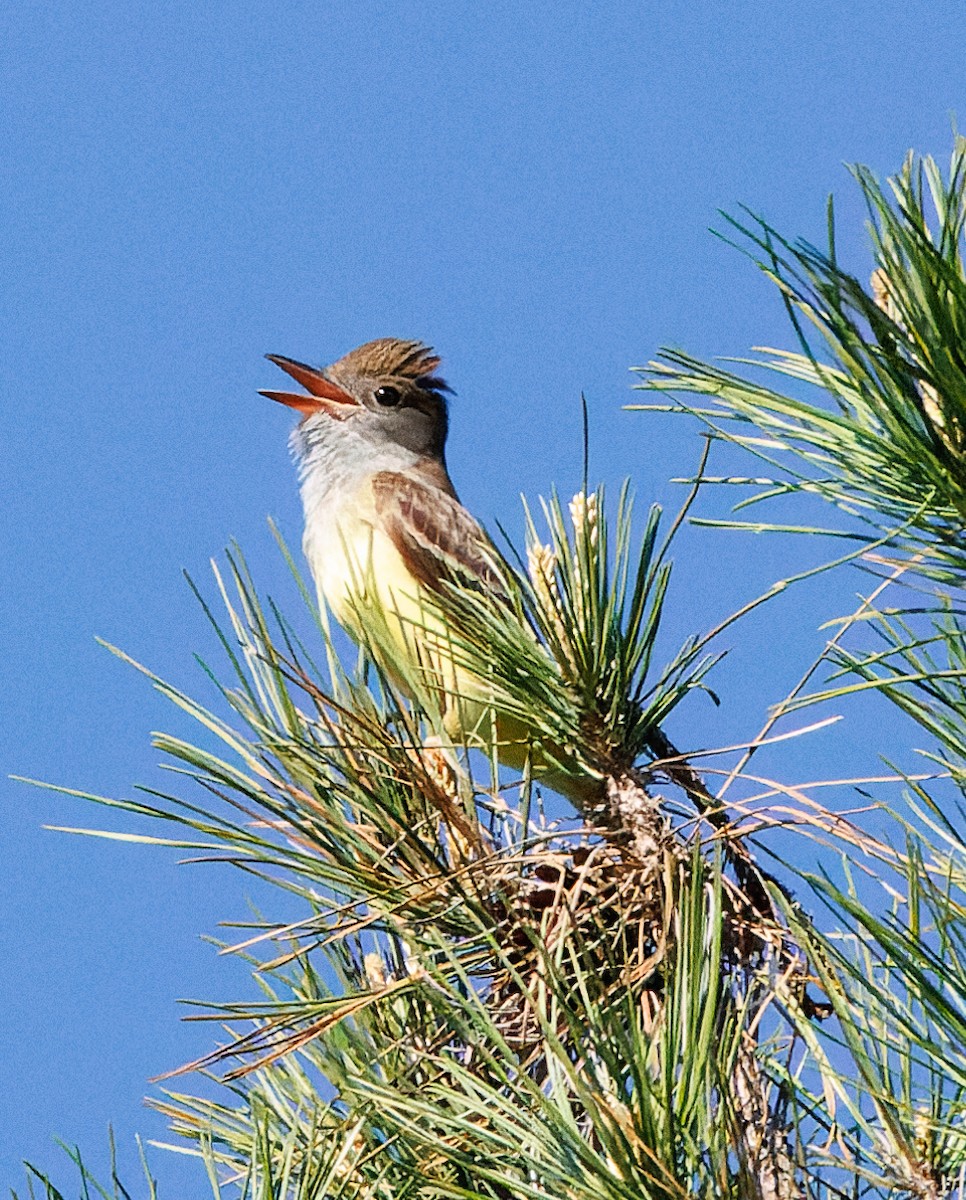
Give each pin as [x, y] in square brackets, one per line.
[387, 396]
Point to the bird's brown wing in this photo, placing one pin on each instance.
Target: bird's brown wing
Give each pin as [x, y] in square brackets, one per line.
[435, 536]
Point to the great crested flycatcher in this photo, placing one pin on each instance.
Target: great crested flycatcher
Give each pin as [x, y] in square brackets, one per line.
[383, 522]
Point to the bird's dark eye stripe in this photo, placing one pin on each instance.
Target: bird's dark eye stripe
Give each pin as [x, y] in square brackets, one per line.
[386, 396]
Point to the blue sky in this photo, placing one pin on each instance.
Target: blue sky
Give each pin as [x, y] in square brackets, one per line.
[529, 188]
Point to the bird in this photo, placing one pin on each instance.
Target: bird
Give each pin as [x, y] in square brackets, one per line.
[385, 530]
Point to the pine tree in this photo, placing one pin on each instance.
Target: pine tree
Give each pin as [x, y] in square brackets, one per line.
[494, 993]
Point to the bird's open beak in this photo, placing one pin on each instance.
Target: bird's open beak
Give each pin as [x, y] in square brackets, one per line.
[323, 396]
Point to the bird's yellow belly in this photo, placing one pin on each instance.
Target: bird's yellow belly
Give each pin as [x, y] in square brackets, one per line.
[366, 585]
[355, 565]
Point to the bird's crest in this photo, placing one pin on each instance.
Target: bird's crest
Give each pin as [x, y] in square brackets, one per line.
[392, 357]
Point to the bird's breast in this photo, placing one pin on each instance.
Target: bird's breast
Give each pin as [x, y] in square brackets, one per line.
[354, 560]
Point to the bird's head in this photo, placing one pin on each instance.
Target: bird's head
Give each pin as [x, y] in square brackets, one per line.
[384, 392]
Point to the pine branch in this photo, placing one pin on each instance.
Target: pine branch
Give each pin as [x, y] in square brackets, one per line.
[884, 440]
